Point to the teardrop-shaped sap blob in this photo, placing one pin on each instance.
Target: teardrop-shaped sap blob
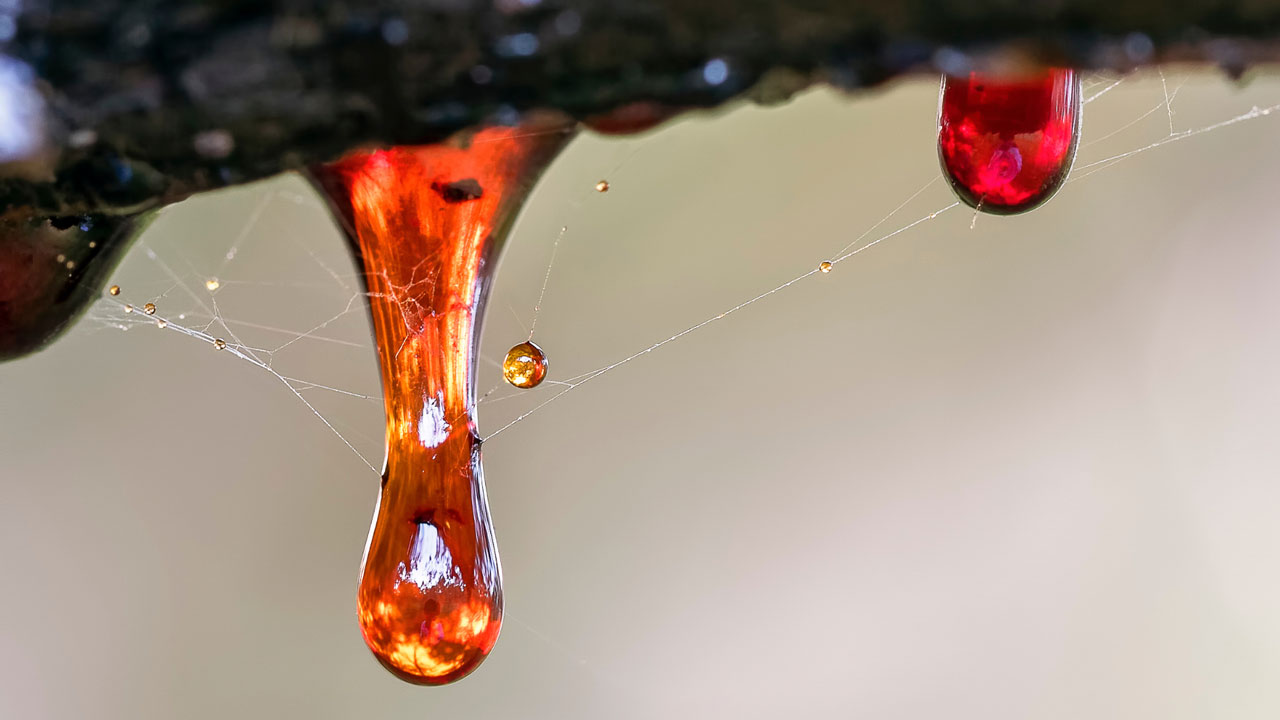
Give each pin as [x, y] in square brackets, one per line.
[427, 224]
[1007, 144]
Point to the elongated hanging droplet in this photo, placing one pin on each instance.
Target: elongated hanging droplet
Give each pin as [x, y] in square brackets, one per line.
[525, 365]
[427, 224]
[1006, 144]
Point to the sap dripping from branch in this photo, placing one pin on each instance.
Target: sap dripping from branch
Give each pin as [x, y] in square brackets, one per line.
[427, 224]
[1007, 144]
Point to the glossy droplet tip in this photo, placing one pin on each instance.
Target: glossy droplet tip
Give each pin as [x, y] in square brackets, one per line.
[425, 639]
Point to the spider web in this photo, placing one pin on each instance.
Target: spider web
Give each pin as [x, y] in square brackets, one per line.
[311, 335]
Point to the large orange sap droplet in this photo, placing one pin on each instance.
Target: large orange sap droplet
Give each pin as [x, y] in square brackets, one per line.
[427, 224]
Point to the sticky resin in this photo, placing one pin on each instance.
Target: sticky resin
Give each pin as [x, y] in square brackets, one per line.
[525, 365]
[1007, 144]
[427, 224]
[51, 270]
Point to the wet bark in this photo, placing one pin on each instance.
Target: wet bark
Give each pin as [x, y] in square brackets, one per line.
[147, 101]
[110, 108]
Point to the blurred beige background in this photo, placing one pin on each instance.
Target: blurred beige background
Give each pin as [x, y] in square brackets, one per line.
[1023, 470]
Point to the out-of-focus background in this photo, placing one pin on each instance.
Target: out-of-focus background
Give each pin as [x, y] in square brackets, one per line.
[1023, 469]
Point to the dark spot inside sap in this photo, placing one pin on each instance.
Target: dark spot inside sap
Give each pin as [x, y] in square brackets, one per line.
[459, 190]
[439, 518]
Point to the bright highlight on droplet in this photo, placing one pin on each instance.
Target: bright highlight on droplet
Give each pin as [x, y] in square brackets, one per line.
[161, 323]
[128, 308]
[825, 266]
[525, 366]
[219, 343]
[212, 284]
[149, 308]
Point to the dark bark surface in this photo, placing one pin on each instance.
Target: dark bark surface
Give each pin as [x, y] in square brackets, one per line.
[147, 101]
[109, 108]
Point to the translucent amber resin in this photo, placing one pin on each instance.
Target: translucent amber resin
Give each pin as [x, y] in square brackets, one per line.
[427, 224]
[525, 365]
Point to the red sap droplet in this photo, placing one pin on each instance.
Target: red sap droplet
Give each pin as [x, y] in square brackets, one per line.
[50, 271]
[1006, 144]
[427, 224]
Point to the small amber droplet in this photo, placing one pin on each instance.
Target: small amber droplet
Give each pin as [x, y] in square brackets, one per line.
[128, 308]
[525, 366]
[219, 343]
[71, 264]
[212, 284]
[114, 290]
[149, 308]
[161, 323]
[61, 258]
[92, 244]
[1007, 144]
[602, 186]
[825, 266]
